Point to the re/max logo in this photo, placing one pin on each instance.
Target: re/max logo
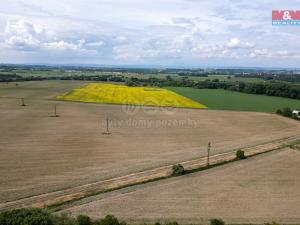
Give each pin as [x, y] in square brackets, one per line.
[286, 17]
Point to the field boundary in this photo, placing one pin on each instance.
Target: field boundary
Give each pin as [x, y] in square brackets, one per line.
[58, 198]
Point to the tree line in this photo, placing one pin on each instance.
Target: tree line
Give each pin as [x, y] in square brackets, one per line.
[271, 88]
[274, 88]
[16, 78]
[35, 216]
[288, 77]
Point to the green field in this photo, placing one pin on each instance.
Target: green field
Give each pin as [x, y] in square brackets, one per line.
[230, 100]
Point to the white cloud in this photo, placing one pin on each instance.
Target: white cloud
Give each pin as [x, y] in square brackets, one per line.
[22, 35]
[178, 32]
[234, 42]
[63, 46]
[237, 43]
[260, 53]
[23, 43]
[25, 36]
[287, 54]
[121, 39]
[95, 44]
[283, 53]
[121, 53]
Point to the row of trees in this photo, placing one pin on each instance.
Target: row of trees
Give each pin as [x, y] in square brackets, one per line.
[272, 88]
[9, 77]
[275, 88]
[285, 76]
[43, 217]
[109, 78]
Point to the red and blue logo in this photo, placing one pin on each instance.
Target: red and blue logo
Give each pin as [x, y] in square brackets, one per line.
[286, 17]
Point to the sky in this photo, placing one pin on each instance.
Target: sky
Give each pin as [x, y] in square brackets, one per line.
[170, 33]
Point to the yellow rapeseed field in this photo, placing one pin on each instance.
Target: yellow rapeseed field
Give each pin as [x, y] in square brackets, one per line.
[119, 94]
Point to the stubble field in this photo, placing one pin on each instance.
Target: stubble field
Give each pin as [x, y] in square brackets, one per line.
[40, 153]
[255, 191]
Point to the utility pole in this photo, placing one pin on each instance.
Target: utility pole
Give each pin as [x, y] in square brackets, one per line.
[107, 127]
[23, 102]
[208, 152]
[55, 111]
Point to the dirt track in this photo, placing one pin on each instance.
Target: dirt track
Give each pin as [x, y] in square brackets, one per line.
[258, 190]
[42, 154]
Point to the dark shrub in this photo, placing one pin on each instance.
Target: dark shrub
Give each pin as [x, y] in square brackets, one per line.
[279, 112]
[240, 154]
[25, 217]
[63, 219]
[83, 220]
[287, 112]
[172, 223]
[178, 170]
[217, 222]
[273, 223]
[109, 220]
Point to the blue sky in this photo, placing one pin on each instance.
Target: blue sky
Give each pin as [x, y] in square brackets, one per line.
[172, 33]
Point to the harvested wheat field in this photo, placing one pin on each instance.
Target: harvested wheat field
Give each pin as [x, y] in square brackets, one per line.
[40, 153]
[262, 189]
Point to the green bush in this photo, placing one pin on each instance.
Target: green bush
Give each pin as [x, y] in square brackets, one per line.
[26, 217]
[273, 223]
[172, 223]
[287, 112]
[240, 154]
[178, 170]
[109, 220]
[217, 222]
[63, 219]
[279, 112]
[83, 220]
